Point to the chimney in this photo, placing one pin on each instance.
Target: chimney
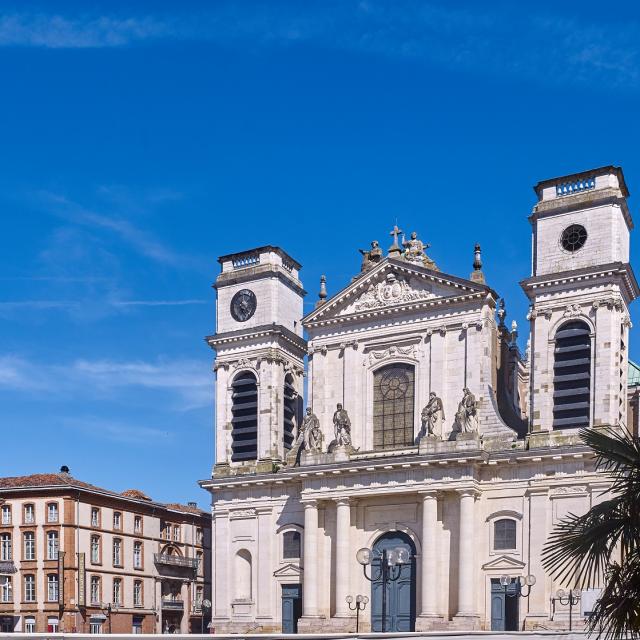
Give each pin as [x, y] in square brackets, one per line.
[64, 469]
[192, 504]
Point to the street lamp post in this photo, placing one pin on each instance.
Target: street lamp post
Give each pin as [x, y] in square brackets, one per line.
[390, 560]
[361, 603]
[565, 598]
[205, 605]
[520, 582]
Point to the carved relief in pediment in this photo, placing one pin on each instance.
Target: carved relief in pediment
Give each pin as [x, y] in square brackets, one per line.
[391, 291]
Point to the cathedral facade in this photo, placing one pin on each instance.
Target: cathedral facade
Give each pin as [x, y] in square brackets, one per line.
[395, 444]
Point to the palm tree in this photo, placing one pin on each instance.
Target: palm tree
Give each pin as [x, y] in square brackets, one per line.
[602, 547]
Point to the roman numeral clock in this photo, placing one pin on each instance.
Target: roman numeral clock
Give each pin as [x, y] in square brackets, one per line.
[243, 305]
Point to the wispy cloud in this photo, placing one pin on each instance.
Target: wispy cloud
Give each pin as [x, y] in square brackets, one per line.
[119, 432]
[188, 381]
[57, 31]
[67, 305]
[140, 240]
[559, 47]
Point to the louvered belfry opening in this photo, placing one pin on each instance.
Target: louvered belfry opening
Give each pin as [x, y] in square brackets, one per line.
[290, 396]
[244, 410]
[572, 376]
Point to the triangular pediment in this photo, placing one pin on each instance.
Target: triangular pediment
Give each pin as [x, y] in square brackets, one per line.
[288, 571]
[394, 283]
[504, 563]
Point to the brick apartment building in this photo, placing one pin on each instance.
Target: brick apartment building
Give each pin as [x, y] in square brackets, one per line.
[78, 558]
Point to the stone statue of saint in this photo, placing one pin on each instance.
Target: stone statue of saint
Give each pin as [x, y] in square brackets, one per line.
[371, 257]
[467, 414]
[342, 427]
[432, 416]
[312, 435]
[414, 249]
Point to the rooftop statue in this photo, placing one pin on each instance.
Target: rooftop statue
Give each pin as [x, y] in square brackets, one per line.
[414, 251]
[371, 257]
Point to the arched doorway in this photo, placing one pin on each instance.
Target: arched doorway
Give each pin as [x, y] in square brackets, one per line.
[401, 593]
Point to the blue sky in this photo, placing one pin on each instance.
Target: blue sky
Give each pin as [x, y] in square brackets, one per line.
[142, 140]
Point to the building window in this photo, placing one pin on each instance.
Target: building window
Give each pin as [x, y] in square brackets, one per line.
[52, 587]
[572, 375]
[6, 589]
[176, 532]
[117, 552]
[291, 545]
[52, 625]
[52, 512]
[117, 520]
[198, 602]
[199, 557]
[244, 421]
[117, 591]
[136, 625]
[29, 514]
[289, 405]
[29, 546]
[137, 524]
[199, 536]
[95, 517]
[504, 534]
[52, 545]
[30, 625]
[137, 593]
[573, 237]
[29, 588]
[5, 547]
[95, 549]
[137, 555]
[95, 627]
[393, 399]
[6, 514]
[94, 592]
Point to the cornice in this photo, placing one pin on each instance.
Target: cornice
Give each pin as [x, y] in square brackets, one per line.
[620, 269]
[261, 331]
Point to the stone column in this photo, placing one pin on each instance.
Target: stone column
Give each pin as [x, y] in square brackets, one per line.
[343, 561]
[264, 595]
[429, 560]
[539, 524]
[466, 557]
[310, 584]
[184, 595]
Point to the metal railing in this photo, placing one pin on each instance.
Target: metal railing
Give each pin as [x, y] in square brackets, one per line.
[172, 605]
[175, 561]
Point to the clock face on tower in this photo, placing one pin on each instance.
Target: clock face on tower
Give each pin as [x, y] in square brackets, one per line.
[243, 305]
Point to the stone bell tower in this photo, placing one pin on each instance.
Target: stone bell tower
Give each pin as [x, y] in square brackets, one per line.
[259, 359]
[580, 289]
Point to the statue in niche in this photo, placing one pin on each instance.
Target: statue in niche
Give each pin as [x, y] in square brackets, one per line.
[342, 427]
[432, 416]
[467, 414]
[371, 257]
[311, 433]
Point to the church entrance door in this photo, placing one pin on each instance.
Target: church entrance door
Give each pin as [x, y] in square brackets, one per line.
[504, 606]
[291, 607]
[401, 593]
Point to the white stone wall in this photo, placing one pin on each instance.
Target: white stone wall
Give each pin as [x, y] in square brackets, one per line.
[448, 352]
[607, 239]
[536, 493]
